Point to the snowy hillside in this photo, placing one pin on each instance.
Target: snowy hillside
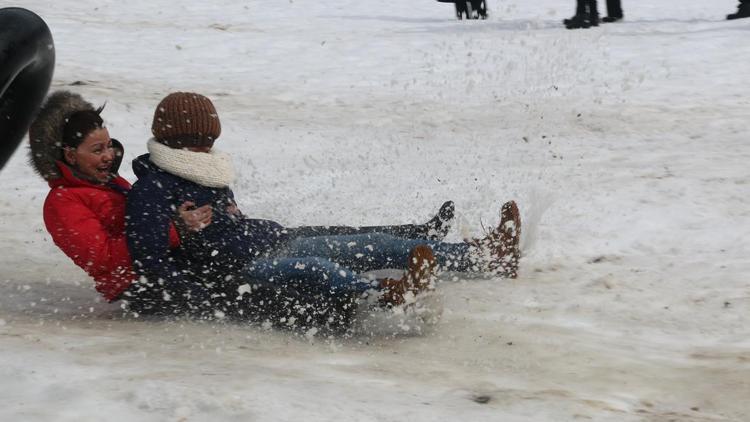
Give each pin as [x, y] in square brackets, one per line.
[626, 147]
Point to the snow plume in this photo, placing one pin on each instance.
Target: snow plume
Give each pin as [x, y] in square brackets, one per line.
[536, 203]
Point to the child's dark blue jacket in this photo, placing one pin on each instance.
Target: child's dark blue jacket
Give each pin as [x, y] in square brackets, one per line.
[223, 247]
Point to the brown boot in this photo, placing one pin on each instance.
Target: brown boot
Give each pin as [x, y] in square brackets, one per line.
[419, 273]
[501, 246]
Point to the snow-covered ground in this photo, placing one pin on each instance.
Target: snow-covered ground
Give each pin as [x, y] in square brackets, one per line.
[626, 146]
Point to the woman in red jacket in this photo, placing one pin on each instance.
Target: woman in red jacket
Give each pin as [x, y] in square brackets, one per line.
[85, 209]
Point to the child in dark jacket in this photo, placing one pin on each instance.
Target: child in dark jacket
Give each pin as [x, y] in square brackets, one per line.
[219, 269]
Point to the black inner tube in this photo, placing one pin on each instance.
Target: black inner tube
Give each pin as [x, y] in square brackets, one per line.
[27, 60]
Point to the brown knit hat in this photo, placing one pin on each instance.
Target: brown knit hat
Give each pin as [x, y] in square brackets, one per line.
[186, 119]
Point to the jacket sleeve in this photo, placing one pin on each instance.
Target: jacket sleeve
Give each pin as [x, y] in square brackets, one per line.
[149, 229]
[79, 233]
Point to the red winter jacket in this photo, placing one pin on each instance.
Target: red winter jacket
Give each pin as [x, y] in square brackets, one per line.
[87, 221]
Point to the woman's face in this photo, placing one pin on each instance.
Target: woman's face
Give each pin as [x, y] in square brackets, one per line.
[94, 156]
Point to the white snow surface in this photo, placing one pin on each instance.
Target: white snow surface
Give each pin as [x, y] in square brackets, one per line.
[626, 147]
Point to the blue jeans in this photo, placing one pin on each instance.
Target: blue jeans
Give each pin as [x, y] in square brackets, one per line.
[329, 264]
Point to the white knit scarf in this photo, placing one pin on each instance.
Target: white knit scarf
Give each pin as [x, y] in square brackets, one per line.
[213, 169]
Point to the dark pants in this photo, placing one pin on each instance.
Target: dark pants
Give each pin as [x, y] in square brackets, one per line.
[614, 9]
[407, 231]
[212, 291]
[480, 6]
[586, 8]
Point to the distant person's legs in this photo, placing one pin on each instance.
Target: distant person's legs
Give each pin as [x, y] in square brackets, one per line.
[472, 9]
[593, 12]
[480, 6]
[580, 11]
[614, 11]
[587, 15]
[461, 9]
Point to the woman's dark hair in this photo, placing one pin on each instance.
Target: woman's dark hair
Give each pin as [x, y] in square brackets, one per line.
[79, 124]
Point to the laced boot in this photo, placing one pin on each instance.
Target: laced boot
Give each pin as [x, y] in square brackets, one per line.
[500, 248]
[418, 277]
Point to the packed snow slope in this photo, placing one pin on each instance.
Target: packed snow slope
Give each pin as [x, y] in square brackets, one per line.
[626, 146]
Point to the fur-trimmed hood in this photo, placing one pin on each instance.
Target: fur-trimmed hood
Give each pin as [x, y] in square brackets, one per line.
[46, 132]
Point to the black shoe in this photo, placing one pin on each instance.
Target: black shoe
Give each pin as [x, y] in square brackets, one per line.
[439, 225]
[579, 22]
[568, 21]
[610, 19]
[743, 11]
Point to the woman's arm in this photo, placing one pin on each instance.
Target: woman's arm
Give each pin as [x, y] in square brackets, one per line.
[79, 233]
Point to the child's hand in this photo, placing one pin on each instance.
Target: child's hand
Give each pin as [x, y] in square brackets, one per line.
[195, 219]
[233, 210]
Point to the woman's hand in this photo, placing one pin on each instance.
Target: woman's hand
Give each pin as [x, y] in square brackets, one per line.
[195, 219]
